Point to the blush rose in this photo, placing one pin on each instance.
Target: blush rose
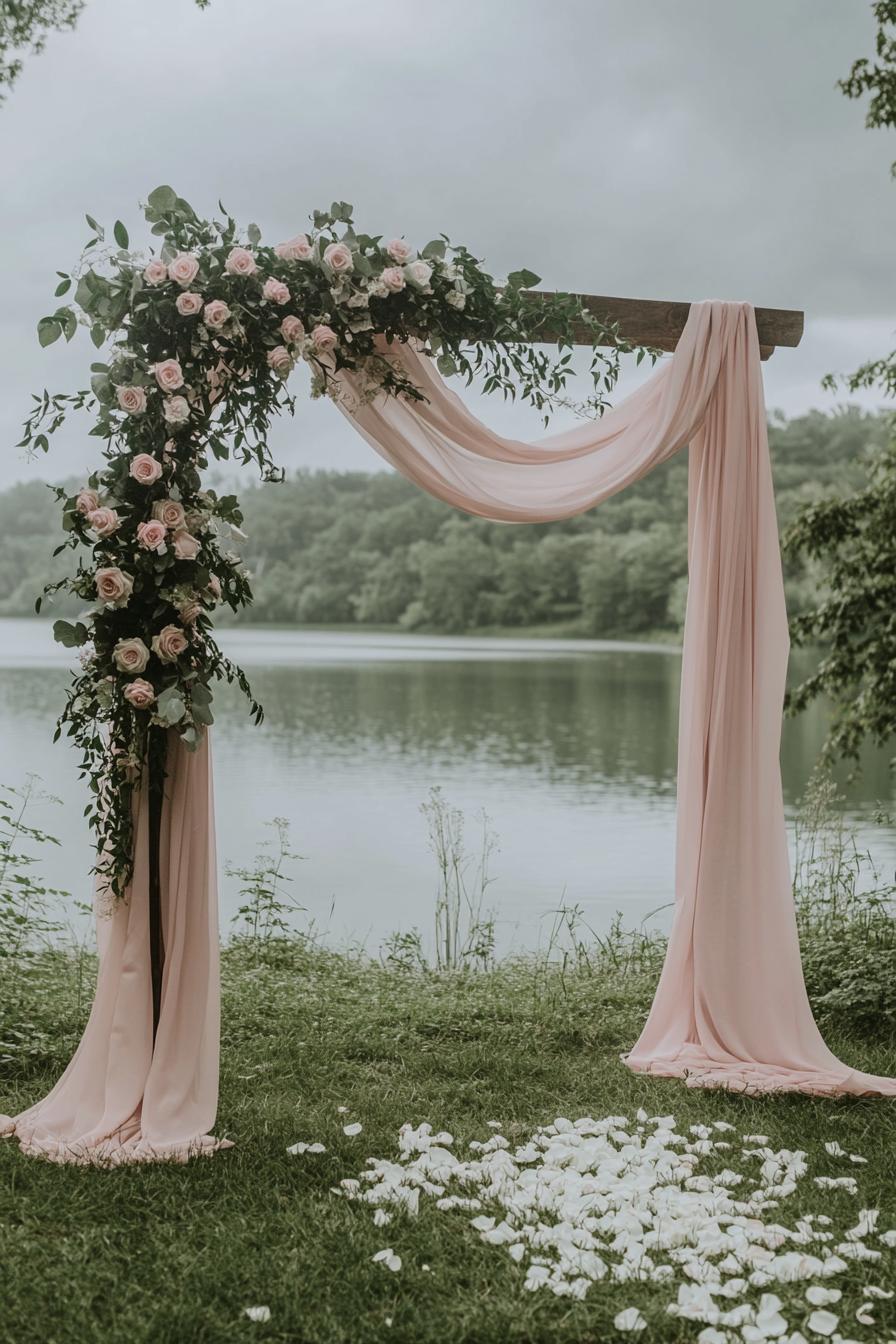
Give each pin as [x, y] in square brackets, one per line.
[297, 249]
[400, 251]
[176, 410]
[103, 521]
[113, 587]
[169, 643]
[324, 337]
[275, 291]
[145, 469]
[216, 314]
[393, 278]
[240, 261]
[292, 329]
[87, 500]
[185, 545]
[280, 360]
[188, 304]
[184, 268]
[139, 693]
[130, 655]
[169, 375]
[339, 258]
[151, 536]
[169, 512]
[155, 273]
[132, 400]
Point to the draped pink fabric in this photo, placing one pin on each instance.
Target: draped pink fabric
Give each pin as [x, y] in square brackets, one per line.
[121, 1099]
[731, 1009]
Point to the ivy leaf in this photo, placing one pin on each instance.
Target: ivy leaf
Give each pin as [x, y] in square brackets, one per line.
[170, 707]
[120, 233]
[48, 330]
[70, 636]
[523, 279]
[163, 199]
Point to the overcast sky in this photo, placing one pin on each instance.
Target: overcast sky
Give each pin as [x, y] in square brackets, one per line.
[686, 150]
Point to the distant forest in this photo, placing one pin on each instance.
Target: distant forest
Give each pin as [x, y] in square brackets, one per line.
[355, 548]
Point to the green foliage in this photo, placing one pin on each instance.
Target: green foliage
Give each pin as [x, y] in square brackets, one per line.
[851, 537]
[25, 26]
[877, 78]
[464, 930]
[846, 917]
[266, 909]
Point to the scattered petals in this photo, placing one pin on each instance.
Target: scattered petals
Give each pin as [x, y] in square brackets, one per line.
[817, 1296]
[296, 1149]
[823, 1322]
[353, 1129]
[388, 1258]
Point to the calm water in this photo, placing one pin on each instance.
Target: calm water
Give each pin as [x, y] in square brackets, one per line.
[568, 746]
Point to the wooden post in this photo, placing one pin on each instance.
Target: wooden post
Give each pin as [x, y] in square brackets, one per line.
[156, 784]
[659, 323]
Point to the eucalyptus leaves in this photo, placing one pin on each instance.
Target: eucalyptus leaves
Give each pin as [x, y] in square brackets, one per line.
[201, 340]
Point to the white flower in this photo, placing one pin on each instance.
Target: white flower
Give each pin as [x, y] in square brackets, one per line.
[822, 1322]
[388, 1258]
[258, 1313]
[630, 1319]
[353, 1129]
[298, 1148]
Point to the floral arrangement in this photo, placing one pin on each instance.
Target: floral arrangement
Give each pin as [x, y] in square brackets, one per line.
[201, 340]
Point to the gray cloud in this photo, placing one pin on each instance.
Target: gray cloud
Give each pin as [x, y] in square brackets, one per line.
[666, 150]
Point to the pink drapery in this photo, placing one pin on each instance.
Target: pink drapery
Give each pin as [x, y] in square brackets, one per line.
[121, 1098]
[731, 1008]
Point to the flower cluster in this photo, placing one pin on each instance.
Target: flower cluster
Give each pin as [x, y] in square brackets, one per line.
[202, 338]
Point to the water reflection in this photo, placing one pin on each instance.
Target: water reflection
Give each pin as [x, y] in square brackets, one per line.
[571, 750]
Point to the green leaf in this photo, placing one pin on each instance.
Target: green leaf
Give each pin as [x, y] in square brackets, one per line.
[48, 330]
[435, 250]
[253, 233]
[63, 287]
[446, 366]
[71, 636]
[170, 706]
[163, 199]
[97, 334]
[120, 234]
[97, 228]
[523, 279]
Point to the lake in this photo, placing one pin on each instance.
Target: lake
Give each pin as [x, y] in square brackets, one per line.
[568, 746]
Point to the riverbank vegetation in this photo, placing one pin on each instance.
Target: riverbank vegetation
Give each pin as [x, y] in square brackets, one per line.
[359, 549]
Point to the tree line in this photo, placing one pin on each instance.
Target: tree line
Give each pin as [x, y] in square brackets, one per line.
[358, 548]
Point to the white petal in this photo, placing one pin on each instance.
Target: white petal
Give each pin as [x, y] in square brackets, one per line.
[822, 1322]
[257, 1313]
[353, 1129]
[822, 1297]
[630, 1319]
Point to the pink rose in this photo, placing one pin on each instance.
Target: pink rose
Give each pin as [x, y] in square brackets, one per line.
[151, 536]
[214, 587]
[400, 251]
[324, 338]
[113, 587]
[87, 500]
[156, 273]
[339, 258]
[186, 546]
[139, 693]
[169, 512]
[240, 262]
[183, 268]
[297, 249]
[419, 273]
[292, 329]
[176, 410]
[130, 655]
[275, 291]
[216, 314]
[169, 375]
[280, 360]
[169, 643]
[103, 521]
[132, 400]
[188, 304]
[393, 278]
[145, 469]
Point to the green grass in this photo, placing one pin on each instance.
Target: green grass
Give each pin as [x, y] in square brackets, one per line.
[172, 1254]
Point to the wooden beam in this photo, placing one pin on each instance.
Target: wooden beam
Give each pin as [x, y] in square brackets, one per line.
[660, 324]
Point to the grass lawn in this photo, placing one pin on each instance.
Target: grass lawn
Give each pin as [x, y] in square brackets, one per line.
[172, 1254]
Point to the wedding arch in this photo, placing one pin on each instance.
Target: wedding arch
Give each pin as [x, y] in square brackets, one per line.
[202, 338]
